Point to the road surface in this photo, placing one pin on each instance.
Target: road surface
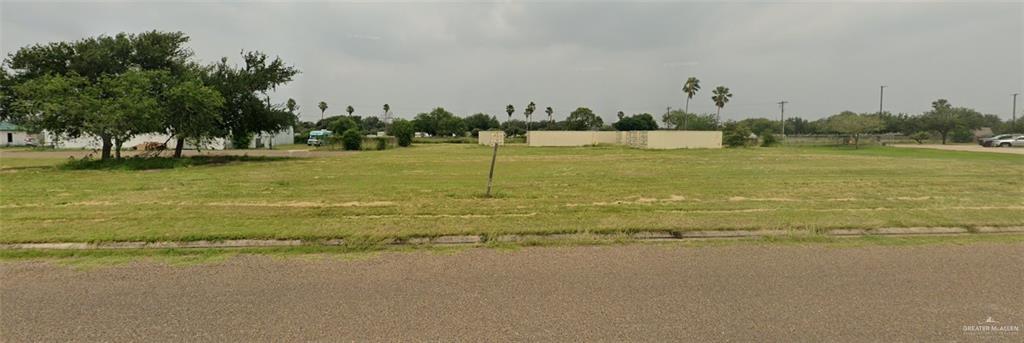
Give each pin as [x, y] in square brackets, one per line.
[607, 293]
[963, 147]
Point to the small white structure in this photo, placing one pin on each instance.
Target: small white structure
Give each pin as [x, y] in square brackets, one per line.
[12, 135]
[271, 139]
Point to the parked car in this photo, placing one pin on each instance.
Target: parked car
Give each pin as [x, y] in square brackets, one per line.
[1019, 142]
[1003, 140]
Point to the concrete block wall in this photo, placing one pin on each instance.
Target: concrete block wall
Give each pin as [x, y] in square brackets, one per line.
[571, 138]
[488, 138]
[661, 139]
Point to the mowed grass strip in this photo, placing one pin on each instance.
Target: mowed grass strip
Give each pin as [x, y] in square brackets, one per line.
[437, 189]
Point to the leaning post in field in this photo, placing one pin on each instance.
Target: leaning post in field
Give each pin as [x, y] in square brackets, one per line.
[490, 175]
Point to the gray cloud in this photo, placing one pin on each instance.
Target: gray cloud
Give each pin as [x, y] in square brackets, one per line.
[478, 57]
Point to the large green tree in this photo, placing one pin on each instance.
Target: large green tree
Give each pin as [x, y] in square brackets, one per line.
[583, 119]
[194, 113]
[246, 90]
[113, 108]
[636, 122]
[941, 118]
[439, 122]
[678, 120]
[104, 73]
[481, 122]
[854, 124]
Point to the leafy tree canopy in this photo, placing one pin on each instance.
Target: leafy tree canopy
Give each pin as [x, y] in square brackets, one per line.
[583, 119]
[636, 122]
[439, 122]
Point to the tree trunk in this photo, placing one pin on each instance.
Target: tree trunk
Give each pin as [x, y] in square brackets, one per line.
[105, 155]
[117, 148]
[944, 137]
[856, 141]
[179, 147]
[718, 117]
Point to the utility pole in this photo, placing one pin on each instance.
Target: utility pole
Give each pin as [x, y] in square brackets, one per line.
[1013, 114]
[881, 96]
[782, 115]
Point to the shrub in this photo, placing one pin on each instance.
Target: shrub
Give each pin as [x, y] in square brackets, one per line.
[736, 135]
[920, 136]
[403, 131]
[963, 135]
[451, 140]
[768, 139]
[352, 139]
[241, 141]
[343, 124]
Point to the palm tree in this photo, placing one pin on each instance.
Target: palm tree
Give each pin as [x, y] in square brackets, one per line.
[387, 109]
[529, 112]
[721, 97]
[621, 115]
[510, 109]
[349, 109]
[292, 106]
[691, 87]
[550, 112]
[323, 108]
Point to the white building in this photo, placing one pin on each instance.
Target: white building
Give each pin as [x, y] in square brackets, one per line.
[12, 135]
[261, 140]
[272, 139]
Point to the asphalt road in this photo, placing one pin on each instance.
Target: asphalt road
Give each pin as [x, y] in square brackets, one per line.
[963, 147]
[608, 293]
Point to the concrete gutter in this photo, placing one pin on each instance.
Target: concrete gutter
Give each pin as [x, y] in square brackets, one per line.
[642, 236]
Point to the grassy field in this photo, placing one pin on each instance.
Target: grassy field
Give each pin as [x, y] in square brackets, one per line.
[435, 189]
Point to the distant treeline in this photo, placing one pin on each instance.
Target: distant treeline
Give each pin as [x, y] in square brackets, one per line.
[943, 120]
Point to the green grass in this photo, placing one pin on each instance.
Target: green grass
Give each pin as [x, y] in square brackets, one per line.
[141, 163]
[437, 189]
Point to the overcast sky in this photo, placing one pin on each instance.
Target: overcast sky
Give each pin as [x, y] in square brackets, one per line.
[478, 57]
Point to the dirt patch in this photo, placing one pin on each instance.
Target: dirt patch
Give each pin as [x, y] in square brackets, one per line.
[760, 199]
[303, 204]
[637, 201]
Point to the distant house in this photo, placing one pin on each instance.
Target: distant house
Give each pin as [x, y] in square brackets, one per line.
[983, 132]
[13, 135]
